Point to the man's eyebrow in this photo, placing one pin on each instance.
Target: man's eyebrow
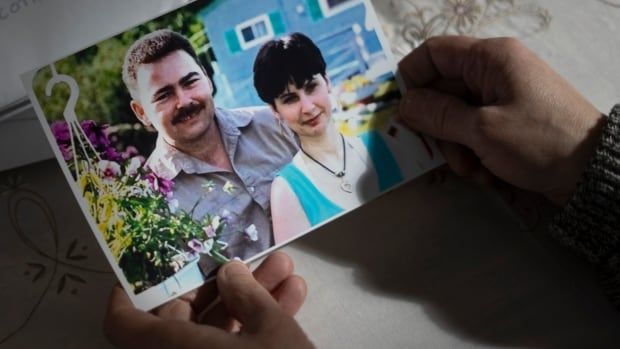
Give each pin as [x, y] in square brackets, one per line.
[182, 81]
[188, 77]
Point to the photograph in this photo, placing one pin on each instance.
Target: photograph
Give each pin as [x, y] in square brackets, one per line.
[224, 130]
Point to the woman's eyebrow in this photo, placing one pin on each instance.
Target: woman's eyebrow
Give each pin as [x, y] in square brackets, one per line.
[286, 94]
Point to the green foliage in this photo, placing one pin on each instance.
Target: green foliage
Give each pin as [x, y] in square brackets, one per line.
[98, 70]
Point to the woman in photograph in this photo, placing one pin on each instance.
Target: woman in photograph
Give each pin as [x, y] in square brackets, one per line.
[331, 173]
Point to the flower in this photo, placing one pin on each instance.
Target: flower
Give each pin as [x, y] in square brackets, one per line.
[209, 231]
[215, 222]
[96, 134]
[196, 245]
[229, 188]
[463, 13]
[109, 169]
[134, 165]
[209, 186]
[251, 233]
[60, 130]
[111, 154]
[129, 152]
[65, 150]
[159, 184]
[177, 262]
[208, 246]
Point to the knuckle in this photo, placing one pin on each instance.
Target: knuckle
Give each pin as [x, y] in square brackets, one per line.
[511, 45]
[442, 115]
[484, 127]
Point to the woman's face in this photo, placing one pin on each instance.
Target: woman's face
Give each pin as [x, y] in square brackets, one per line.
[307, 110]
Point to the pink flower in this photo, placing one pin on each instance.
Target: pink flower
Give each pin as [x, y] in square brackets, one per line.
[60, 130]
[96, 134]
[198, 246]
[130, 151]
[209, 231]
[109, 169]
[65, 150]
[158, 184]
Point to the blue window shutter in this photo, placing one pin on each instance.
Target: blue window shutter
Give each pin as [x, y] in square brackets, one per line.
[315, 10]
[232, 41]
[277, 23]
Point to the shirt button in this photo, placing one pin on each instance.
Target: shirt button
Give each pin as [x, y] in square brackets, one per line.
[251, 189]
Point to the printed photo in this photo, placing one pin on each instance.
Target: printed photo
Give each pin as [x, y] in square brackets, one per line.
[225, 129]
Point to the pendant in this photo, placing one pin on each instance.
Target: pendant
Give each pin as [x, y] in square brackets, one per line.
[346, 186]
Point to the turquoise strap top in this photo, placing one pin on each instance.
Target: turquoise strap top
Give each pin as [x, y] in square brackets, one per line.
[319, 208]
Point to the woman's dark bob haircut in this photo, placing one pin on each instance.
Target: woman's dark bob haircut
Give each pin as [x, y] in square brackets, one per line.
[293, 59]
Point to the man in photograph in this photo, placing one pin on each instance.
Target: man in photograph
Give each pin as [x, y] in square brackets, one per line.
[222, 162]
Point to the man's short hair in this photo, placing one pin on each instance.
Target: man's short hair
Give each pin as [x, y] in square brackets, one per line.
[151, 48]
[294, 59]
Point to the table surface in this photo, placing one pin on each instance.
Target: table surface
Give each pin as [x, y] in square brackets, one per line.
[437, 263]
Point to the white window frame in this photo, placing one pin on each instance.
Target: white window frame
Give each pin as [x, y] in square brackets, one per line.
[249, 23]
[330, 11]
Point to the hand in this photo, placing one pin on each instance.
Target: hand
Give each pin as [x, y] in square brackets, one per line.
[496, 108]
[256, 312]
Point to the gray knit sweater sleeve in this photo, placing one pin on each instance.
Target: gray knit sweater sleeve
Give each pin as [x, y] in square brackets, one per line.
[590, 222]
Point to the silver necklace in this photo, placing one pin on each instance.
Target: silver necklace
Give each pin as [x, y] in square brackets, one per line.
[344, 184]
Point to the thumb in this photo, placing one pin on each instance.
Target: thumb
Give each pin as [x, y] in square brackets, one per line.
[245, 299]
[439, 115]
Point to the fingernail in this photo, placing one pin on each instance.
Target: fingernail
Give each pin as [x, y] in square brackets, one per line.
[234, 268]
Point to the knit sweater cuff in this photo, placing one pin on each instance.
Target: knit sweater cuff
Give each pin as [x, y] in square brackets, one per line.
[590, 222]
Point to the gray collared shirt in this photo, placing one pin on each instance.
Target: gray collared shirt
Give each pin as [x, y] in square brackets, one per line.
[257, 148]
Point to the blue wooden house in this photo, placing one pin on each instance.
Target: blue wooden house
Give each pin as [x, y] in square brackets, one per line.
[238, 28]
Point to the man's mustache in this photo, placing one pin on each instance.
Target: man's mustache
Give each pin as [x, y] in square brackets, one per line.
[186, 111]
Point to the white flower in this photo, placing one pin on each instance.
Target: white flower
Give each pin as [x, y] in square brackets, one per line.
[229, 188]
[251, 233]
[215, 222]
[208, 246]
[109, 169]
[178, 261]
[134, 164]
[209, 186]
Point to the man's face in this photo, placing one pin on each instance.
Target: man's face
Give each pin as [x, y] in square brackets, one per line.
[175, 97]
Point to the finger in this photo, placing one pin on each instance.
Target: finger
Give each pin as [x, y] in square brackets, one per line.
[439, 115]
[204, 296]
[218, 316]
[175, 309]
[127, 327]
[461, 160]
[276, 268]
[456, 88]
[437, 58]
[291, 294]
[271, 273]
[244, 297]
